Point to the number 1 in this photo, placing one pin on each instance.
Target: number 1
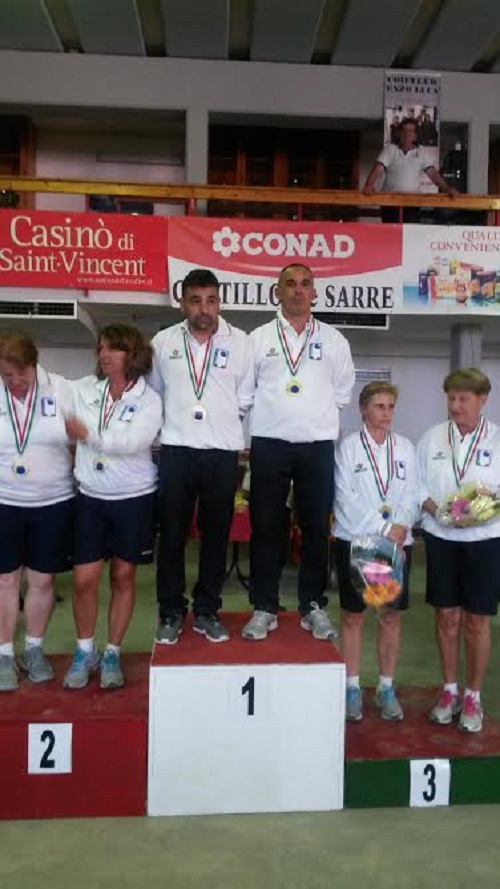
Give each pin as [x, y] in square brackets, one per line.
[249, 688]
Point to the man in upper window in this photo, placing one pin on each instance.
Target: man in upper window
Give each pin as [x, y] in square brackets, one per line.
[401, 166]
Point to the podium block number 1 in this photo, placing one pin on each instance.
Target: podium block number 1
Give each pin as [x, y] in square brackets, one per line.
[50, 748]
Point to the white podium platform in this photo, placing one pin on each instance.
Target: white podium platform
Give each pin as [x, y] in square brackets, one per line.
[246, 726]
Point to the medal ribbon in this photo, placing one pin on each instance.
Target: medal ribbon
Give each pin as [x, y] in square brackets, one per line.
[22, 432]
[106, 410]
[293, 365]
[382, 487]
[198, 382]
[460, 471]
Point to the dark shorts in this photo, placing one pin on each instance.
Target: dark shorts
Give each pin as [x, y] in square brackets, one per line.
[37, 537]
[107, 528]
[463, 575]
[350, 600]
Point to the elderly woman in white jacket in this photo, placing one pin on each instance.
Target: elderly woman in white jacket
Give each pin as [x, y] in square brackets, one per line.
[463, 577]
[118, 417]
[375, 493]
[36, 501]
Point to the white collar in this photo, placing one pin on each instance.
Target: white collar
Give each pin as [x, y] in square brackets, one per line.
[372, 441]
[289, 326]
[134, 392]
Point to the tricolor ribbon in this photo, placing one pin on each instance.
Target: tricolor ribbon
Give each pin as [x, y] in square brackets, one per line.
[22, 430]
[382, 487]
[198, 381]
[460, 471]
[108, 406]
[293, 364]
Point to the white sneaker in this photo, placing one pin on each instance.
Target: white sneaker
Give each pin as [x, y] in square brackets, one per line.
[259, 625]
[471, 717]
[446, 709]
[318, 623]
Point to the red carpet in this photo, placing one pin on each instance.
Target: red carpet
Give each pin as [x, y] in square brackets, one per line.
[416, 737]
[108, 750]
[50, 702]
[288, 644]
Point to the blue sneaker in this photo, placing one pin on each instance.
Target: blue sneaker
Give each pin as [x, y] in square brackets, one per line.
[353, 704]
[111, 671]
[82, 666]
[388, 704]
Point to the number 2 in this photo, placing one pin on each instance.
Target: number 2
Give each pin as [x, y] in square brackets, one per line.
[249, 688]
[430, 773]
[49, 738]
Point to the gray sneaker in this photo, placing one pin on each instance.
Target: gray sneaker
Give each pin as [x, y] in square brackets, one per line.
[318, 623]
[353, 704]
[388, 704]
[210, 626]
[169, 629]
[9, 674]
[446, 709]
[471, 717]
[35, 664]
[111, 671]
[259, 625]
[82, 665]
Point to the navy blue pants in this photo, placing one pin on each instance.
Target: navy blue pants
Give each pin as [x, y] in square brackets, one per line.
[274, 464]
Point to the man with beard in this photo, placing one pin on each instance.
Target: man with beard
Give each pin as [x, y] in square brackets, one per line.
[204, 370]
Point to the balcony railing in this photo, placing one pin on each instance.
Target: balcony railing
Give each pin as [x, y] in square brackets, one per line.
[192, 196]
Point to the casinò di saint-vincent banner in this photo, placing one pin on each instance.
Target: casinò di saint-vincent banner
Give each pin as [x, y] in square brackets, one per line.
[42, 248]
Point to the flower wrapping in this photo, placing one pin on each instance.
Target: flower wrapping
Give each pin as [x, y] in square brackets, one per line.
[473, 503]
[377, 569]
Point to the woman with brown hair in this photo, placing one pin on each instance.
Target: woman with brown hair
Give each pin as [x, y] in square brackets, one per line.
[117, 419]
[36, 501]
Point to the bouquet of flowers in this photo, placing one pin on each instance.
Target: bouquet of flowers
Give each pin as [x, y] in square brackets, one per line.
[471, 504]
[377, 568]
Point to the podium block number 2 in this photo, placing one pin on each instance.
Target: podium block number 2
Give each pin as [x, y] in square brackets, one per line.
[429, 782]
[50, 748]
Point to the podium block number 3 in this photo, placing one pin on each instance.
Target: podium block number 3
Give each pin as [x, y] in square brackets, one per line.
[429, 782]
[50, 748]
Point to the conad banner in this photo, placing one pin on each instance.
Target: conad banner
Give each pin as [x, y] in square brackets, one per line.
[357, 267]
[414, 95]
[82, 250]
[451, 270]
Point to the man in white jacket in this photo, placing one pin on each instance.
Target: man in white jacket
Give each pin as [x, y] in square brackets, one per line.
[304, 375]
[204, 370]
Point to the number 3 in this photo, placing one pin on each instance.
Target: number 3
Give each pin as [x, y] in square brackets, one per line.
[430, 773]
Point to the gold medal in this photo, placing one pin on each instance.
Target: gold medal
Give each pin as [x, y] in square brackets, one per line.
[293, 387]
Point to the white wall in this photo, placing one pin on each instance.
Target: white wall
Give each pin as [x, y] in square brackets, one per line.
[71, 363]
[103, 156]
